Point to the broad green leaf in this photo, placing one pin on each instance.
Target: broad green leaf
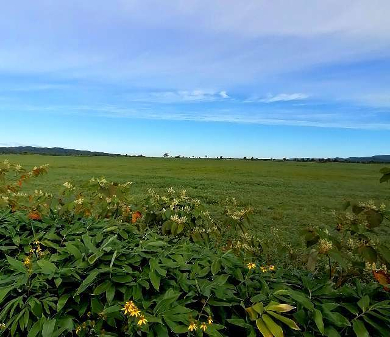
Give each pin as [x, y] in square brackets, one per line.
[360, 329]
[284, 320]
[263, 328]
[35, 329]
[319, 321]
[275, 329]
[4, 291]
[216, 266]
[331, 332]
[239, 322]
[279, 307]
[16, 264]
[252, 313]
[47, 266]
[73, 250]
[62, 301]
[364, 302]
[87, 282]
[48, 328]
[258, 307]
[155, 279]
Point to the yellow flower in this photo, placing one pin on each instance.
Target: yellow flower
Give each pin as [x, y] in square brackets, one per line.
[192, 326]
[129, 307]
[135, 312]
[210, 320]
[2, 326]
[203, 326]
[263, 269]
[251, 265]
[271, 267]
[78, 329]
[27, 262]
[142, 320]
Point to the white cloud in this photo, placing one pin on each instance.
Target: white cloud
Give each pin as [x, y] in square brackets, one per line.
[178, 96]
[224, 94]
[278, 98]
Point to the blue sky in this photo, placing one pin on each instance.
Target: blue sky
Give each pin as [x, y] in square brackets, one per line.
[232, 78]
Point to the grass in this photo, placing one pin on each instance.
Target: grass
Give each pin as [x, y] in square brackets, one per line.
[285, 195]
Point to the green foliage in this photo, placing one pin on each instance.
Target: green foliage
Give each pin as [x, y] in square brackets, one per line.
[105, 267]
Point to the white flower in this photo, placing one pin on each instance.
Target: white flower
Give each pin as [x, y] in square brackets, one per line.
[79, 201]
[68, 185]
[179, 220]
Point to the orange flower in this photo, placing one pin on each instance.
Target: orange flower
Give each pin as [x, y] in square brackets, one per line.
[136, 216]
[34, 215]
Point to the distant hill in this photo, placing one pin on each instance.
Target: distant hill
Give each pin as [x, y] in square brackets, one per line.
[373, 159]
[52, 151]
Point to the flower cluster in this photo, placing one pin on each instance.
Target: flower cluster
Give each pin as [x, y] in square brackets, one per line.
[251, 265]
[132, 310]
[179, 220]
[324, 246]
[194, 325]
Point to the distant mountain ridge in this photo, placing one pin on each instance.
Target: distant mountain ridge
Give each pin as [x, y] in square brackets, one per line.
[374, 159]
[52, 151]
[59, 151]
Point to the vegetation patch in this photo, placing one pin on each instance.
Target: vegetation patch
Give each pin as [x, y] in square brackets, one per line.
[90, 261]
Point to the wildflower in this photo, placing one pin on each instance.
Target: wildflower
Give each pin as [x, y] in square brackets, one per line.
[68, 185]
[27, 262]
[271, 268]
[171, 190]
[203, 326]
[192, 326]
[251, 265]
[79, 201]
[131, 309]
[210, 320]
[142, 320]
[78, 329]
[135, 216]
[34, 216]
[108, 200]
[325, 246]
[2, 326]
[18, 167]
[179, 220]
[263, 269]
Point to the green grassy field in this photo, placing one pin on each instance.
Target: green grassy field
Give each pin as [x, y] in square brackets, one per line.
[285, 195]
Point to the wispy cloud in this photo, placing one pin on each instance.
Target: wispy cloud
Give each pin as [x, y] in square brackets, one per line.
[278, 98]
[178, 96]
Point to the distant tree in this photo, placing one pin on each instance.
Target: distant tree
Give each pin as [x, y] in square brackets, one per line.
[244, 158]
[166, 155]
[221, 157]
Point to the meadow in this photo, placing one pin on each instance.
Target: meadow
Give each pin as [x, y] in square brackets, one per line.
[103, 257]
[285, 196]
